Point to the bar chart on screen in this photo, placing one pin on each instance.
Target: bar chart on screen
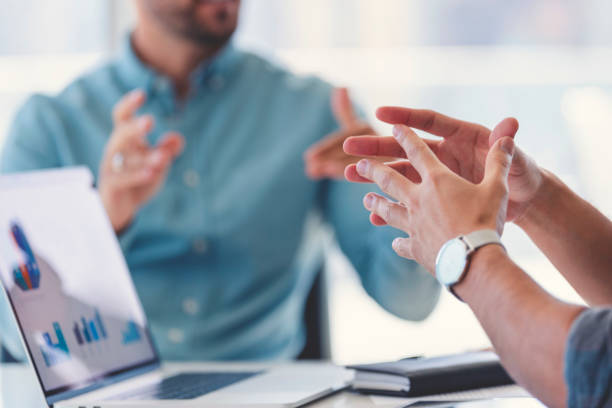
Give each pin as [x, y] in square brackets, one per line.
[54, 352]
[87, 331]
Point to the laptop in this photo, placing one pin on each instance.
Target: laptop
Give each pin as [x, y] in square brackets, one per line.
[82, 323]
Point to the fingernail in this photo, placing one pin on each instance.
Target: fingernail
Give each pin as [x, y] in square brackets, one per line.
[507, 145]
[369, 201]
[397, 132]
[362, 166]
[396, 243]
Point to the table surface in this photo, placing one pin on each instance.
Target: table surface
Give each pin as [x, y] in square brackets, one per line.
[19, 388]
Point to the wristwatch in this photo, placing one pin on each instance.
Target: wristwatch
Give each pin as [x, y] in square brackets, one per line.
[454, 257]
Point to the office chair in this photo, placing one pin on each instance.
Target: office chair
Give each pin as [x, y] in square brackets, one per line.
[316, 320]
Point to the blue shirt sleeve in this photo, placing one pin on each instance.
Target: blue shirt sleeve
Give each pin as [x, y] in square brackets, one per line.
[401, 286]
[588, 360]
[30, 143]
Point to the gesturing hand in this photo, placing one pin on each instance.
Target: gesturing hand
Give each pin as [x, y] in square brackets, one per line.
[131, 171]
[463, 149]
[327, 159]
[434, 204]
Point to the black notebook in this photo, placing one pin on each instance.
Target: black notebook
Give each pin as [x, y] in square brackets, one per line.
[415, 377]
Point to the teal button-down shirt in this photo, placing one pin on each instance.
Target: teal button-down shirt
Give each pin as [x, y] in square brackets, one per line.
[224, 256]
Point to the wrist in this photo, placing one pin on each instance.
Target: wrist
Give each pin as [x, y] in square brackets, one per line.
[540, 204]
[485, 261]
[119, 218]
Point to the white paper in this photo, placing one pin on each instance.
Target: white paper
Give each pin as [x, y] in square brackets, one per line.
[506, 391]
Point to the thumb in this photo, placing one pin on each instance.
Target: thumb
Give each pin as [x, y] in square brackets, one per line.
[342, 107]
[173, 143]
[499, 160]
[506, 128]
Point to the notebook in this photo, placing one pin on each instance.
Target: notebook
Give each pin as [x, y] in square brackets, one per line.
[428, 376]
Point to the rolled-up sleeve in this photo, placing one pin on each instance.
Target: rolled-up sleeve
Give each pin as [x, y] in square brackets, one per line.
[588, 360]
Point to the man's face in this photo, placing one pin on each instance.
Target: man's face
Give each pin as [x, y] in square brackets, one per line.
[205, 22]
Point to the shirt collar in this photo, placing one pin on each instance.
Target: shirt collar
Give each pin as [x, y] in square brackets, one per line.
[139, 75]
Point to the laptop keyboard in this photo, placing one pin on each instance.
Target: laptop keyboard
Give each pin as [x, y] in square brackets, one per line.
[185, 386]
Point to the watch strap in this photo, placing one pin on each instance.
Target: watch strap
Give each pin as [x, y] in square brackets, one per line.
[480, 238]
[473, 241]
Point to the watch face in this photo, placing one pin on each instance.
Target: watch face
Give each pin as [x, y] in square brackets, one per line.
[451, 262]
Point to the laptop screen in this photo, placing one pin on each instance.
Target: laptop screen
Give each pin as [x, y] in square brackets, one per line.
[68, 283]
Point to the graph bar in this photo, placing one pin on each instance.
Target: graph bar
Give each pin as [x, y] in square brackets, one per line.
[77, 333]
[85, 330]
[100, 324]
[90, 330]
[131, 333]
[94, 331]
[19, 279]
[55, 353]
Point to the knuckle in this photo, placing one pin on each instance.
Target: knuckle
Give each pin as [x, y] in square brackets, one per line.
[436, 176]
[386, 180]
[499, 188]
[429, 119]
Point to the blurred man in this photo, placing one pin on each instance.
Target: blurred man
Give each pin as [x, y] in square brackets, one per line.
[471, 182]
[197, 150]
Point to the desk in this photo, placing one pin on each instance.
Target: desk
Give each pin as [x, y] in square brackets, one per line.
[19, 387]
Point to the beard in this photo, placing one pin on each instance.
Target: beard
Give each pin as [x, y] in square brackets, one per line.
[213, 28]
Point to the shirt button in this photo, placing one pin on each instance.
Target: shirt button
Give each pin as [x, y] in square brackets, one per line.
[161, 84]
[191, 178]
[200, 245]
[176, 335]
[191, 306]
[216, 82]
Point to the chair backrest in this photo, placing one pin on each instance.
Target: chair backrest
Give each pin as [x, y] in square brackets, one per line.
[316, 320]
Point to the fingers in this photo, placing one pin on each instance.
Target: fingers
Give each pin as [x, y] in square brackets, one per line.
[417, 151]
[403, 167]
[375, 146]
[429, 121]
[389, 180]
[403, 247]
[128, 105]
[498, 162]
[334, 141]
[393, 214]
[342, 107]
[131, 134]
[133, 179]
[506, 128]
[173, 143]
[376, 220]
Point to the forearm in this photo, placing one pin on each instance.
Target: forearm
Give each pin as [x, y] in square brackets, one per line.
[575, 236]
[400, 286]
[528, 327]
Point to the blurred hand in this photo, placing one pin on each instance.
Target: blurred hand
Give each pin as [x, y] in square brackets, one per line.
[463, 149]
[131, 171]
[441, 205]
[327, 159]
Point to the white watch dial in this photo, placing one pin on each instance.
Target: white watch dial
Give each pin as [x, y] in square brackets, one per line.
[451, 262]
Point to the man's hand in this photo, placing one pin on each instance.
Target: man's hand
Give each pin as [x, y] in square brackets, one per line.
[438, 205]
[326, 159]
[131, 171]
[463, 149]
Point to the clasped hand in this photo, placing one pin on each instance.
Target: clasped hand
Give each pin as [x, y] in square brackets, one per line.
[446, 187]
